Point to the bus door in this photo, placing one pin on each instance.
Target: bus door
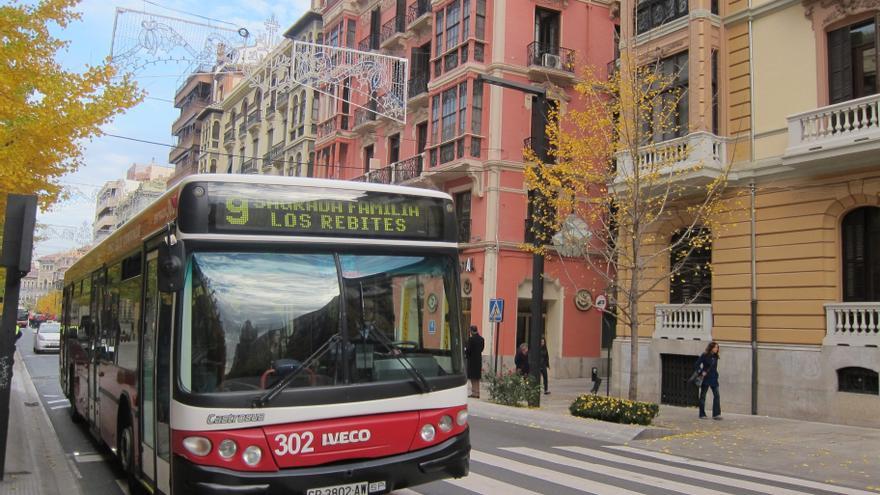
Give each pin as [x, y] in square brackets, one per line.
[155, 381]
[95, 350]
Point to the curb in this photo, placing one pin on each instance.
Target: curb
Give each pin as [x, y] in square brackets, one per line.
[54, 470]
[582, 427]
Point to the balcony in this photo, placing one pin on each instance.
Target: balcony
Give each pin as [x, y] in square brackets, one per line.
[551, 61]
[249, 166]
[370, 43]
[242, 129]
[273, 156]
[408, 169]
[852, 324]
[364, 120]
[228, 136]
[418, 14]
[418, 86]
[253, 120]
[699, 157]
[396, 173]
[392, 31]
[683, 321]
[840, 137]
[333, 127]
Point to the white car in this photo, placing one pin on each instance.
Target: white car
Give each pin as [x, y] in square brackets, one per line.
[48, 337]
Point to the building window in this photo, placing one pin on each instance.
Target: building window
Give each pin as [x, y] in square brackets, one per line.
[857, 380]
[852, 61]
[394, 149]
[462, 108]
[449, 108]
[435, 119]
[690, 258]
[672, 124]
[462, 202]
[861, 254]
[655, 13]
[368, 155]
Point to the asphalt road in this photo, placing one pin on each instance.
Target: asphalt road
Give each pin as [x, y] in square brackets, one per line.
[507, 459]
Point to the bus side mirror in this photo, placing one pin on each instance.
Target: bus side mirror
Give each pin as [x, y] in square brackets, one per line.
[171, 273]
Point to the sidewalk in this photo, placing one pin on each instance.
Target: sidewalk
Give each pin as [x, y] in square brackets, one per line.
[35, 463]
[843, 455]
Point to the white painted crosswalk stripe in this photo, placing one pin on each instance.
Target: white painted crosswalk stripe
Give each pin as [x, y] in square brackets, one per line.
[684, 472]
[483, 484]
[614, 472]
[56, 401]
[548, 475]
[743, 471]
[65, 406]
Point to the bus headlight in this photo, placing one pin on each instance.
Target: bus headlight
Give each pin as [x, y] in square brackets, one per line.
[445, 424]
[227, 449]
[252, 455]
[462, 417]
[199, 446]
[428, 432]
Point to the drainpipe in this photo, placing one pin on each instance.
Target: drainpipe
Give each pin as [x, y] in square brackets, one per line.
[753, 323]
[754, 302]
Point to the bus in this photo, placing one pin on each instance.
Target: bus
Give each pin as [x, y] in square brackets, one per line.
[267, 335]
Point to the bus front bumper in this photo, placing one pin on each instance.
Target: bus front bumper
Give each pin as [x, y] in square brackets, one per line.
[449, 459]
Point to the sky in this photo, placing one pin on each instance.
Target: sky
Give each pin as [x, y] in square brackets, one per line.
[107, 158]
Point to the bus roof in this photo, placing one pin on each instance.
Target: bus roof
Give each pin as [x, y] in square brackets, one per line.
[149, 221]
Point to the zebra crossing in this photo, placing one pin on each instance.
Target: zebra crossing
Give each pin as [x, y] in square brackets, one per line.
[614, 470]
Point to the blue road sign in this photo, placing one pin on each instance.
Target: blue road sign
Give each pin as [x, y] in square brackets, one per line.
[496, 310]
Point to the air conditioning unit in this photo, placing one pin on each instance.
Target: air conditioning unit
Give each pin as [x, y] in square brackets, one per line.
[551, 61]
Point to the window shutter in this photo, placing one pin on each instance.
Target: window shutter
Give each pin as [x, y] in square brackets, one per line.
[839, 66]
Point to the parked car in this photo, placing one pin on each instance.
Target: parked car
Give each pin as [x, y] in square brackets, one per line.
[23, 317]
[47, 337]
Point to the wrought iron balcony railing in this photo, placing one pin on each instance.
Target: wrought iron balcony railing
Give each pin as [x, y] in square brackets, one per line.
[551, 56]
[418, 84]
[408, 169]
[416, 10]
[254, 118]
[395, 25]
[362, 116]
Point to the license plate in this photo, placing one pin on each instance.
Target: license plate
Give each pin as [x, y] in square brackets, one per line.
[350, 489]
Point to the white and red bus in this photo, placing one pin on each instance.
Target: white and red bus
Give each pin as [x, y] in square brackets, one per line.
[269, 335]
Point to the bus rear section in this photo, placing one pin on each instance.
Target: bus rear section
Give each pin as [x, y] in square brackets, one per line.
[281, 336]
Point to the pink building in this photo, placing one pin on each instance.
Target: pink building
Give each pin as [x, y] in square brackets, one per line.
[467, 138]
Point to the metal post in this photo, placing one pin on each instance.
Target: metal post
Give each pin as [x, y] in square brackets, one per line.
[18, 236]
[539, 138]
[497, 328]
[753, 320]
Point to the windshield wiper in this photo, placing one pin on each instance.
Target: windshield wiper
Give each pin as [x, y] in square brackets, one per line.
[395, 351]
[264, 399]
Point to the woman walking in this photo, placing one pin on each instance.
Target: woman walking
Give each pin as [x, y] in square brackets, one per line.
[707, 366]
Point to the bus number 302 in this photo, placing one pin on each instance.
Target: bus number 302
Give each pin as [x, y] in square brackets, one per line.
[294, 443]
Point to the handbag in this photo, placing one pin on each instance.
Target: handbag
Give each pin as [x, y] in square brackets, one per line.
[696, 378]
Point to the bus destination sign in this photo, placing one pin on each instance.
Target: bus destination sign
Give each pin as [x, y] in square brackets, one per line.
[365, 214]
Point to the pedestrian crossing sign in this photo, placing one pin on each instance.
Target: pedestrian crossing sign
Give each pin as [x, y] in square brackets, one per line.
[496, 310]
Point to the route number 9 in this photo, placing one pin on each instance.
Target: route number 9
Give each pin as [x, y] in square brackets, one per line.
[294, 443]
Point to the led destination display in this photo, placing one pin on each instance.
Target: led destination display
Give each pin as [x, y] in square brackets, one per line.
[330, 212]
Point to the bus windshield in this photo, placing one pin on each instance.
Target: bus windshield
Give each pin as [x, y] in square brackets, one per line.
[250, 319]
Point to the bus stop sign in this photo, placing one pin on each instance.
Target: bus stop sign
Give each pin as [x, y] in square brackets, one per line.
[496, 310]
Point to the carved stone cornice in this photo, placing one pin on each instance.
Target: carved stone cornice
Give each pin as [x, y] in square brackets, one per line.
[835, 10]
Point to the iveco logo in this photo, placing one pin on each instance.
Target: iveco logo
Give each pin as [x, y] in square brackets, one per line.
[340, 437]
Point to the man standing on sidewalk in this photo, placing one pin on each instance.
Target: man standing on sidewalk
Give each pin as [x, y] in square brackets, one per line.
[474, 354]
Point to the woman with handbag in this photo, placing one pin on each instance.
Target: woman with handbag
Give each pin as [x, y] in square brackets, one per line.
[707, 368]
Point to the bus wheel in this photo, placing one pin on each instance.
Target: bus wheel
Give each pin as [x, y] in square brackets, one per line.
[125, 447]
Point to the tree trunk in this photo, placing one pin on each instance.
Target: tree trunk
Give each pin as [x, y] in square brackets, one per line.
[634, 338]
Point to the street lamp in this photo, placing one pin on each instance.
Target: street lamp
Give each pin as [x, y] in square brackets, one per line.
[539, 146]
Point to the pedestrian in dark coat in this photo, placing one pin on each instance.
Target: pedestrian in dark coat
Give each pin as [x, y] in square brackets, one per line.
[521, 360]
[474, 354]
[545, 365]
[707, 366]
